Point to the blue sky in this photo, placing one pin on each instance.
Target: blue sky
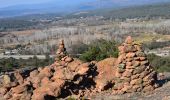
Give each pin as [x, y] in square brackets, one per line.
[5, 3]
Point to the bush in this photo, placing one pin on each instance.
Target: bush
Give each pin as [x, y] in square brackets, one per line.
[11, 63]
[100, 50]
[160, 64]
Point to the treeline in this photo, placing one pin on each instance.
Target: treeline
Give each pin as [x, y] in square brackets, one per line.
[149, 11]
[11, 64]
[16, 25]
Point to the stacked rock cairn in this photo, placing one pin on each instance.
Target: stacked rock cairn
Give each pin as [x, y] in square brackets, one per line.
[133, 71]
[62, 57]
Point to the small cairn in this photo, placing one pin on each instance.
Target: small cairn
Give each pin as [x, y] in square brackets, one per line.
[133, 71]
[61, 52]
[62, 57]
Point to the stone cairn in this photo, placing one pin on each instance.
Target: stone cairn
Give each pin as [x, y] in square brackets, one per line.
[133, 71]
[65, 77]
[62, 57]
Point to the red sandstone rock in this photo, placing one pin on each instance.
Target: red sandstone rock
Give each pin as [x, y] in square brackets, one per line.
[130, 55]
[83, 68]
[129, 40]
[3, 91]
[19, 89]
[19, 77]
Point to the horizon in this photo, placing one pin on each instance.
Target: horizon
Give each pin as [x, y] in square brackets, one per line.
[18, 7]
[6, 4]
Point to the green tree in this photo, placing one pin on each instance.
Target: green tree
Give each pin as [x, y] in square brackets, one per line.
[100, 50]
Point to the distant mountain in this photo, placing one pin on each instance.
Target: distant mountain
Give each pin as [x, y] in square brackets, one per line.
[68, 6]
[150, 11]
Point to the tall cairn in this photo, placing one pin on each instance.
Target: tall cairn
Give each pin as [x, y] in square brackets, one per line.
[133, 71]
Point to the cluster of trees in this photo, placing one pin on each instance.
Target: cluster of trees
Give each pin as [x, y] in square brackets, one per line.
[99, 50]
[14, 24]
[12, 64]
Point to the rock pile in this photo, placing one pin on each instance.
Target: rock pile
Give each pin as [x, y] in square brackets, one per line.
[67, 76]
[133, 72]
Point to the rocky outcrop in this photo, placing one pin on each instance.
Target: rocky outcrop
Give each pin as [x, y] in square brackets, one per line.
[67, 76]
[106, 74]
[133, 72]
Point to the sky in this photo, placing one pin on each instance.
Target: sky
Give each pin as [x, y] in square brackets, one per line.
[6, 3]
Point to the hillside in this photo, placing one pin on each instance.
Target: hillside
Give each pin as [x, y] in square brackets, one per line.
[155, 10]
[60, 6]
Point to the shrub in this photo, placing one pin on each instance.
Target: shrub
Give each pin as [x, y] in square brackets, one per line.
[99, 50]
[160, 64]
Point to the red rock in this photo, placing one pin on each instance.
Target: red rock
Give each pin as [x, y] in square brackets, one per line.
[135, 88]
[83, 68]
[130, 55]
[19, 77]
[59, 74]
[144, 73]
[33, 73]
[3, 91]
[129, 59]
[62, 63]
[46, 72]
[149, 77]
[136, 82]
[128, 63]
[138, 48]
[117, 74]
[135, 63]
[139, 70]
[129, 40]
[74, 65]
[144, 63]
[148, 88]
[57, 63]
[69, 59]
[135, 76]
[19, 89]
[149, 82]
[127, 73]
[45, 81]
[125, 79]
[120, 59]
[126, 88]
[140, 54]
[130, 67]
[118, 86]
[121, 49]
[142, 58]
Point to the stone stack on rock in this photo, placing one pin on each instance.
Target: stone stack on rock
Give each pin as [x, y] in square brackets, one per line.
[67, 76]
[133, 72]
[61, 52]
[62, 57]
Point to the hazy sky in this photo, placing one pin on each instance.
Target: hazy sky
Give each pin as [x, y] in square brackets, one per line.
[5, 3]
